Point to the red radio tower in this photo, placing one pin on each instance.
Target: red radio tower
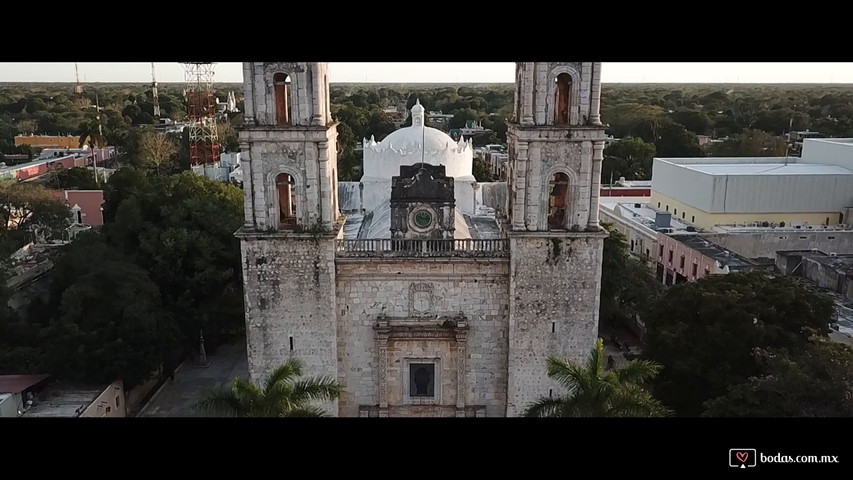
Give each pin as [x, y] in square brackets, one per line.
[201, 113]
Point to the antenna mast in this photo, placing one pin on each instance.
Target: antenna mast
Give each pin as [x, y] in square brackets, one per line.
[154, 93]
[78, 88]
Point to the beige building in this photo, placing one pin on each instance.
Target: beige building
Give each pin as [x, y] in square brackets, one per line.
[418, 305]
[687, 258]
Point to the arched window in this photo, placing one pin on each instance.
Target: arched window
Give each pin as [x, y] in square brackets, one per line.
[284, 184]
[562, 100]
[558, 198]
[282, 96]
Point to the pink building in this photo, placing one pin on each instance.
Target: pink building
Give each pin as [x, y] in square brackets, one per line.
[687, 258]
[85, 205]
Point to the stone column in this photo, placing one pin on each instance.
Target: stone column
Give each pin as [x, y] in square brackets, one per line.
[594, 112]
[262, 209]
[597, 157]
[325, 200]
[527, 94]
[248, 96]
[540, 92]
[584, 187]
[317, 87]
[246, 167]
[518, 209]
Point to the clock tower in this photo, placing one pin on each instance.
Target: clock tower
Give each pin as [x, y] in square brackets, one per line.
[422, 203]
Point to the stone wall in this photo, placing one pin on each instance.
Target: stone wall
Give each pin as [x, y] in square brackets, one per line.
[290, 303]
[368, 288]
[555, 283]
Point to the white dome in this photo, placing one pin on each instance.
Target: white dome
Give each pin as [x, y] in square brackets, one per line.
[413, 137]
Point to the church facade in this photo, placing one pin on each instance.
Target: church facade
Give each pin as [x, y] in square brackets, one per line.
[420, 306]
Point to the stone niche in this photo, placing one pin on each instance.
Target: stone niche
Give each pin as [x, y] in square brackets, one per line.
[422, 368]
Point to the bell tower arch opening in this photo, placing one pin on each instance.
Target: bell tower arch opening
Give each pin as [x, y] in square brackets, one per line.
[281, 82]
[562, 100]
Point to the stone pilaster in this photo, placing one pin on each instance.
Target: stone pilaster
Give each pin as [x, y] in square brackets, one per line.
[382, 342]
[597, 157]
[461, 353]
[248, 95]
[317, 80]
[518, 210]
[246, 167]
[527, 94]
[594, 112]
[325, 187]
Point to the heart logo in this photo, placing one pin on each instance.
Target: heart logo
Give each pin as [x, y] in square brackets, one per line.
[742, 456]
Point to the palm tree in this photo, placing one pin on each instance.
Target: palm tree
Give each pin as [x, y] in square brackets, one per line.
[596, 392]
[283, 395]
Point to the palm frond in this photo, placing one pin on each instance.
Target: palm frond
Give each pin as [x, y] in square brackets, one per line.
[633, 401]
[224, 402]
[309, 411]
[569, 375]
[545, 407]
[317, 388]
[638, 371]
[291, 369]
[595, 361]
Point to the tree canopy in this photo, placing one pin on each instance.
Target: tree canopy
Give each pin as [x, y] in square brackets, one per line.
[704, 333]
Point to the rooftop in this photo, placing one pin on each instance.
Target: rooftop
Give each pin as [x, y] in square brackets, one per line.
[767, 169]
[644, 214]
[63, 401]
[720, 254]
[19, 383]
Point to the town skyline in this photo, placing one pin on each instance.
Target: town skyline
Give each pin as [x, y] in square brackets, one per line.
[432, 72]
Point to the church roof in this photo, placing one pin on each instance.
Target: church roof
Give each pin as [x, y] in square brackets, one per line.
[411, 138]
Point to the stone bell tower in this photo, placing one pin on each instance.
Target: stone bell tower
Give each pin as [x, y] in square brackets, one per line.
[556, 143]
[289, 164]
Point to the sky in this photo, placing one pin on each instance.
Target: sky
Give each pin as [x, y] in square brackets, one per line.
[612, 72]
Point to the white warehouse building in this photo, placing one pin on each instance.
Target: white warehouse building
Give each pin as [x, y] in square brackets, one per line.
[816, 189]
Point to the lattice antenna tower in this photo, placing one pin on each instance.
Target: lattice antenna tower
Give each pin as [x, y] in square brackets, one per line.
[156, 99]
[78, 88]
[201, 113]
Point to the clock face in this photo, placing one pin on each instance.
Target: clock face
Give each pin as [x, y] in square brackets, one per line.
[423, 219]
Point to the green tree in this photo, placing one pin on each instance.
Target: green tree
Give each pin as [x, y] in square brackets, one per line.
[751, 143]
[630, 158]
[29, 212]
[627, 286]
[109, 323]
[697, 122]
[283, 395]
[592, 391]
[813, 381]
[704, 332]
[180, 229]
[73, 178]
[482, 171]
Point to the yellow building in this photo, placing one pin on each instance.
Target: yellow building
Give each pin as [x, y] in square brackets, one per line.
[752, 191]
[48, 141]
